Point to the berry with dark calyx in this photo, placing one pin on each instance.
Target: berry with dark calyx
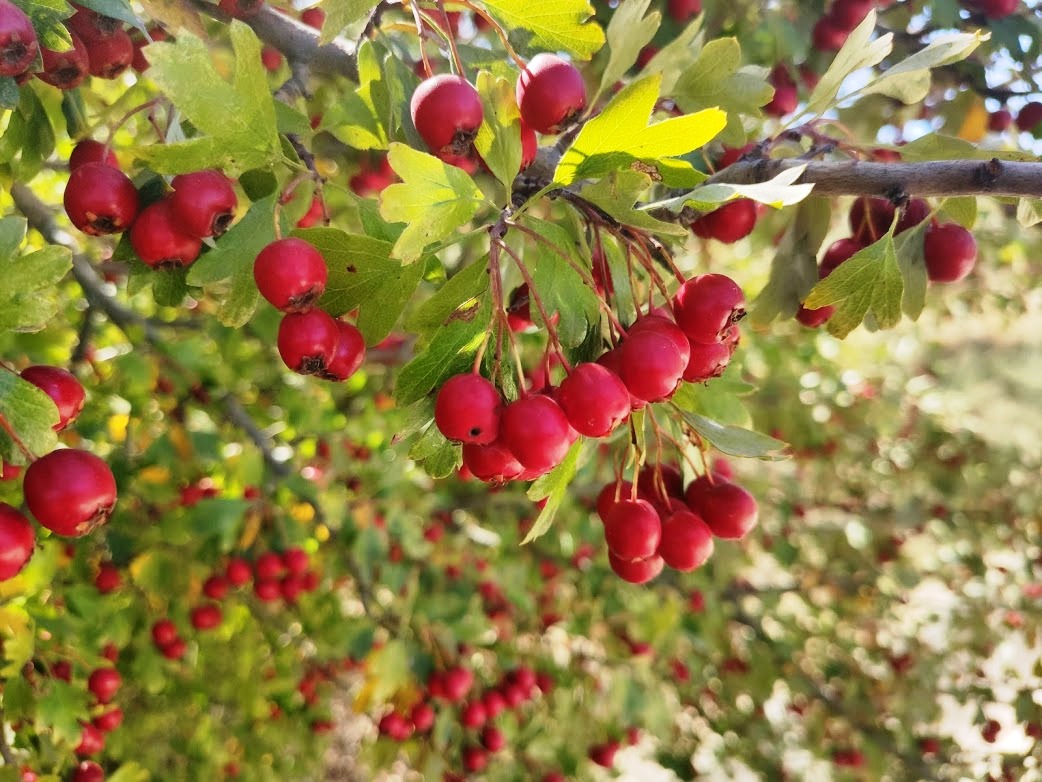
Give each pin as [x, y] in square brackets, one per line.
[687, 541]
[492, 463]
[206, 617]
[728, 509]
[550, 93]
[682, 10]
[709, 361]
[65, 70]
[16, 541]
[241, 9]
[707, 306]
[159, 240]
[870, 219]
[950, 252]
[349, 354]
[204, 202]
[633, 530]
[90, 151]
[728, 223]
[88, 771]
[104, 683]
[100, 199]
[308, 341]
[446, 111]
[594, 399]
[110, 55]
[536, 431]
[1029, 117]
[468, 410]
[62, 387]
[91, 26]
[291, 274]
[651, 366]
[70, 492]
[18, 42]
[1000, 121]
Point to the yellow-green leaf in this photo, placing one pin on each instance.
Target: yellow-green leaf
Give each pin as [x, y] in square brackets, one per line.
[629, 31]
[499, 137]
[555, 25]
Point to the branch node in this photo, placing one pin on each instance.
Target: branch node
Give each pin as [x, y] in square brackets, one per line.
[987, 174]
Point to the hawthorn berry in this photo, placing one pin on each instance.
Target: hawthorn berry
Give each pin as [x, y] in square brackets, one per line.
[687, 541]
[241, 9]
[633, 530]
[269, 565]
[651, 366]
[848, 14]
[271, 58]
[159, 240]
[349, 353]
[475, 759]
[1000, 121]
[707, 306]
[16, 541]
[728, 223]
[238, 572]
[216, 587]
[65, 70]
[164, 632]
[473, 715]
[267, 590]
[206, 616]
[660, 324]
[1029, 117]
[313, 17]
[456, 683]
[18, 42]
[295, 560]
[839, 252]
[108, 578]
[308, 341]
[709, 361]
[604, 754]
[529, 145]
[468, 410]
[536, 431]
[870, 219]
[100, 199]
[70, 492]
[492, 463]
[90, 151]
[109, 720]
[660, 480]
[594, 399]
[728, 509]
[108, 56]
[174, 650]
[550, 93]
[682, 10]
[950, 252]
[203, 203]
[92, 740]
[104, 683]
[291, 274]
[62, 387]
[828, 35]
[446, 111]
[88, 771]
[422, 717]
[90, 25]
[610, 496]
[492, 738]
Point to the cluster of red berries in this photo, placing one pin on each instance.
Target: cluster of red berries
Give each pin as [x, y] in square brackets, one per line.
[529, 437]
[949, 250]
[993, 9]
[658, 522]
[446, 109]
[831, 31]
[291, 274]
[68, 491]
[101, 199]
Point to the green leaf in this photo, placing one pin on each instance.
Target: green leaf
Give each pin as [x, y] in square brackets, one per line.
[617, 194]
[28, 299]
[628, 32]
[499, 137]
[9, 92]
[620, 137]
[1029, 212]
[129, 772]
[357, 118]
[860, 51]
[434, 199]
[362, 274]
[553, 487]
[60, 709]
[340, 14]
[794, 268]
[908, 247]
[236, 120]
[231, 263]
[115, 9]
[47, 17]
[717, 78]
[678, 55]
[962, 210]
[29, 138]
[461, 289]
[734, 440]
[389, 669]
[438, 456]
[449, 352]
[555, 25]
[909, 80]
[778, 192]
[869, 282]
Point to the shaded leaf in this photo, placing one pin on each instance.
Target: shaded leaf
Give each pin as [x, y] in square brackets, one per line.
[617, 194]
[499, 137]
[734, 440]
[553, 487]
[628, 32]
[859, 51]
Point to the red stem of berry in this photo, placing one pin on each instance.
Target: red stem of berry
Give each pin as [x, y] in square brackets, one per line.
[6, 426]
[419, 34]
[542, 309]
[452, 41]
[499, 31]
[125, 118]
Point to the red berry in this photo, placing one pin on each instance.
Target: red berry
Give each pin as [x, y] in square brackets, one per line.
[687, 541]
[70, 492]
[997, 9]
[839, 252]
[493, 463]
[109, 720]
[446, 111]
[536, 432]
[707, 306]
[18, 44]
[550, 93]
[729, 223]
[174, 650]
[1000, 121]
[269, 565]
[203, 202]
[92, 740]
[610, 496]
[216, 587]
[239, 572]
[660, 324]
[468, 410]
[651, 366]
[90, 25]
[655, 477]
[16, 541]
[65, 70]
[206, 617]
[91, 151]
[848, 14]
[709, 361]
[271, 58]
[682, 10]
[308, 341]
[62, 387]
[349, 354]
[88, 771]
[870, 219]
[950, 252]
[456, 683]
[492, 739]
[828, 36]
[912, 214]
[1029, 117]
[594, 399]
[164, 632]
[728, 509]
[295, 560]
[313, 17]
[529, 145]
[291, 274]
[473, 715]
[108, 578]
[475, 759]
[241, 9]
[395, 726]
[422, 717]
[110, 55]
[786, 96]
[159, 240]
[9, 472]
[104, 683]
[100, 199]
[633, 530]
[604, 754]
